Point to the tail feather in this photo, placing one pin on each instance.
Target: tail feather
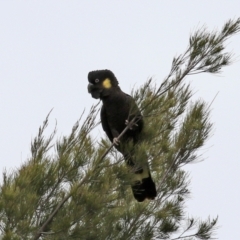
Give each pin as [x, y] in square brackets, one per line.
[143, 186]
[144, 189]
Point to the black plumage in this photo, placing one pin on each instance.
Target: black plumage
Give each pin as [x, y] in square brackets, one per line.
[117, 111]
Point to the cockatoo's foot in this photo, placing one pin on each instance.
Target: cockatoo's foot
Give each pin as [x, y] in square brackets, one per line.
[133, 125]
[116, 141]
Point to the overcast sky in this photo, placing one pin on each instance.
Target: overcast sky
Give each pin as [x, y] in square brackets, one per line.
[48, 47]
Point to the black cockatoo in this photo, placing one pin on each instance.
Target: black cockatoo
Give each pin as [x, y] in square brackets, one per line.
[117, 111]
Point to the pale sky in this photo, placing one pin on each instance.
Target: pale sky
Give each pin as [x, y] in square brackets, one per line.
[48, 47]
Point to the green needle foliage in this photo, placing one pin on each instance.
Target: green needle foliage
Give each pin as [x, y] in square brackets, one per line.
[82, 190]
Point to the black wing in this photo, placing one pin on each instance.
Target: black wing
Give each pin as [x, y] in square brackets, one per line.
[135, 112]
[105, 124]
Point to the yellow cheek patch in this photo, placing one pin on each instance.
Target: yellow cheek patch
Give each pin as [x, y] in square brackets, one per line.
[107, 83]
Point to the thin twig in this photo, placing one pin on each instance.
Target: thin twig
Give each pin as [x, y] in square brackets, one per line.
[213, 100]
[52, 215]
[130, 124]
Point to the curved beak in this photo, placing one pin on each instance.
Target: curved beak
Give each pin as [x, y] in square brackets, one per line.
[94, 91]
[90, 87]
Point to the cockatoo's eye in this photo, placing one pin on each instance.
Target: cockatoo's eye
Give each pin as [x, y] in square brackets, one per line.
[96, 80]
